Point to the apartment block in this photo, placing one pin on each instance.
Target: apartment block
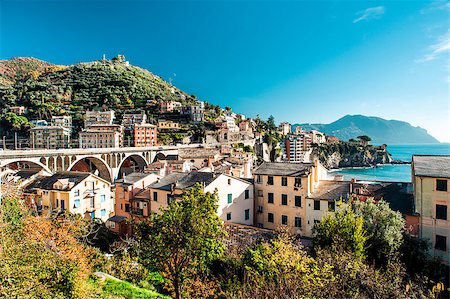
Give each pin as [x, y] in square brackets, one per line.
[145, 135]
[101, 136]
[64, 121]
[49, 137]
[98, 117]
[281, 191]
[170, 106]
[431, 177]
[284, 128]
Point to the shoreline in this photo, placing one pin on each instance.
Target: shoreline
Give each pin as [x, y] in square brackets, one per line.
[367, 167]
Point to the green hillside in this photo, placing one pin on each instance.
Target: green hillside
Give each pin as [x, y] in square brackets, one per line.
[47, 89]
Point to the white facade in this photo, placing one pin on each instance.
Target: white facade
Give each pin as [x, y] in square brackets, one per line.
[235, 199]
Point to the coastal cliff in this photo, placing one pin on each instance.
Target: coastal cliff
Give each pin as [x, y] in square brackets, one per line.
[351, 154]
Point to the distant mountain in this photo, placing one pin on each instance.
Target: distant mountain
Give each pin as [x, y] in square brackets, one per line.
[379, 129]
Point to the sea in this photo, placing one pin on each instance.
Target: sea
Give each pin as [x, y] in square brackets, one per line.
[393, 172]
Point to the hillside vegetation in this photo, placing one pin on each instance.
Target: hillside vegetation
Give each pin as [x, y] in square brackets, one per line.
[46, 89]
[379, 129]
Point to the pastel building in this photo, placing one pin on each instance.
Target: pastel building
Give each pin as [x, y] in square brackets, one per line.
[77, 192]
[281, 191]
[128, 203]
[430, 177]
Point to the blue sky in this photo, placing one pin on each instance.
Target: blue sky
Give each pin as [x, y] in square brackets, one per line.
[302, 61]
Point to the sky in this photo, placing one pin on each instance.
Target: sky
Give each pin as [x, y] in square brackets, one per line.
[300, 61]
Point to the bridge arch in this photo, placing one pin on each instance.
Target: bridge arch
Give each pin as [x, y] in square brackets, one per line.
[28, 162]
[159, 156]
[131, 163]
[92, 164]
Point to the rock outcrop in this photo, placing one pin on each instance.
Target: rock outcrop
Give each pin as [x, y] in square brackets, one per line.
[351, 154]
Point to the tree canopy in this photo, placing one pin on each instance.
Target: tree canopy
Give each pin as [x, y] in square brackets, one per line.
[183, 239]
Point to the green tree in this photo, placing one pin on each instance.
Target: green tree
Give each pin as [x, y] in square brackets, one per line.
[384, 228]
[364, 138]
[282, 269]
[342, 230]
[184, 239]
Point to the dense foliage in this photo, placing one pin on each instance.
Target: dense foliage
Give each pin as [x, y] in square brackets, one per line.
[184, 239]
[57, 90]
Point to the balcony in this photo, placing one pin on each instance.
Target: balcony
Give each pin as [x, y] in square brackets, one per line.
[137, 211]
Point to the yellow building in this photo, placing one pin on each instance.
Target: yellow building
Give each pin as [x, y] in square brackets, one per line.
[430, 176]
[167, 124]
[77, 192]
[281, 190]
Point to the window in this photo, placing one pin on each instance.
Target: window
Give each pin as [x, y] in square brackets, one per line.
[230, 198]
[441, 243]
[102, 198]
[316, 221]
[77, 192]
[441, 212]
[103, 212]
[298, 182]
[260, 193]
[169, 199]
[259, 225]
[270, 217]
[155, 196]
[92, 215]
[331, 206]
[247, 194]
[298, 222]
[77, 203]
[270, 180]
[284, 181]
[284, 199]
[441, 185]
[270, 197]
[247, 214]
[298, 201]
[229, 181]
[317, 205]
[258, 179]
[284, 219]
[127, 207]
[228, 216]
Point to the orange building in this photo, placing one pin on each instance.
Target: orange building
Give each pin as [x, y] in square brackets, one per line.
[145, 135]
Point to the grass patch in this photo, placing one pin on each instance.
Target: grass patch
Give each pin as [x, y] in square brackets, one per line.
[119, 289]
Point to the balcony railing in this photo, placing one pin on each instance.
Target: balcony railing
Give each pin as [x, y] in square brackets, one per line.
[137, 211]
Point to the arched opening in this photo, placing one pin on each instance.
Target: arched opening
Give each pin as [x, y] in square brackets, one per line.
[133, 163]
[159, 156]
[92, 165]
[24, 165]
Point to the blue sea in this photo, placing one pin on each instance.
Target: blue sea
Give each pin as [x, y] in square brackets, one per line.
[396, 173]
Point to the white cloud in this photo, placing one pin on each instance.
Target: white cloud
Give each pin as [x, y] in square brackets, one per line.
[436, 6]
[442, 46]
[369, 14]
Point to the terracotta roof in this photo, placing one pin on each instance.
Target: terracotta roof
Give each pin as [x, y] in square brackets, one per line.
[283, 169]
[431, 166]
